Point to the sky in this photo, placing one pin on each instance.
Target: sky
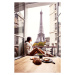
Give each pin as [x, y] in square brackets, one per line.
[33, 21]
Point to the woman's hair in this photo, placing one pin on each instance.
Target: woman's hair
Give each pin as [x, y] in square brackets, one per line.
[28, 39]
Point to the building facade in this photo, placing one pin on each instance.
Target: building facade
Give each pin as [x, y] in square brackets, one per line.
[55, 24]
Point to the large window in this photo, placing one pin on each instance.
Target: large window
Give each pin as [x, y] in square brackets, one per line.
[18, 28]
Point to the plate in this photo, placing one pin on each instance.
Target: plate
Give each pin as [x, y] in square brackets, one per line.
[50, 61]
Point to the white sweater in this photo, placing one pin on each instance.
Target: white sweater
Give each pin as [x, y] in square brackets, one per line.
[29, 47]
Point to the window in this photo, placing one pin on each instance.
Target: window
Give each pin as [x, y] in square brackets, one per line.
[55, 6]
[16, 19]
[59, 23]
[55, 16]
[16, 16]
[55, 36]
[16, 30]
[55, 26]
[16, 40]
[19, 23]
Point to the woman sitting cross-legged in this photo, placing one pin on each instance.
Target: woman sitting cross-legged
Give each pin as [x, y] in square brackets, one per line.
[30, 51]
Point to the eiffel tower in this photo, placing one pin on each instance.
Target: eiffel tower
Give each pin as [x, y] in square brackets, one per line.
[41, 35]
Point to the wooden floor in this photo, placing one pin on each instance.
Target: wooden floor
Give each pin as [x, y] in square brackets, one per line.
[25, 65]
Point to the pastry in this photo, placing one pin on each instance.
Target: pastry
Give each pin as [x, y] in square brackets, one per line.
[37, 61]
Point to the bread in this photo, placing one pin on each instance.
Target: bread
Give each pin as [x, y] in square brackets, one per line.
[37, 61]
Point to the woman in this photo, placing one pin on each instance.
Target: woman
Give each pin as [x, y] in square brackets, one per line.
[29, 50]
[28, 45]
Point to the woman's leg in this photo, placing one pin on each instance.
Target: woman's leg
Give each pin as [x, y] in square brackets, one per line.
[36, 50]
